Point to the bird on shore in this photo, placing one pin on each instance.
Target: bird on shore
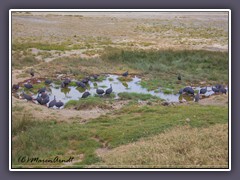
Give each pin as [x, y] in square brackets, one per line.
[43, 95]
[109, 90]
[66, 82]
[223, 90]
[52, 103]
[197, 97]
[48, 81]
[125, 74]
[86, 94]
[219, 86]
[38, 99]
[95, 76]
[15, 87]
[203, 90]
[45, 100]
[41, 90]
[59, 104]
[180, 91]
[188, 90]
[215, 90]
[27, 97]
[185, 89]
[28, 86]
[85, 80]
[100, 91]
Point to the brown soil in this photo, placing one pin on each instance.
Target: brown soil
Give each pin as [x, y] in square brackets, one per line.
[218, 100]
[65, 115]
[122, 29]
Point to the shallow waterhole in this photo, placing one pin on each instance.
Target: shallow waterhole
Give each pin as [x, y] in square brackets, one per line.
[119, 85]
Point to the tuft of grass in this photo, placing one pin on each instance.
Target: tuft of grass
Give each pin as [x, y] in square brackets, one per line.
[22, 122]
[17, 108]
[166, 91]
[124, 79]
[137, 96]
[24, 61]
[109, 96]
[110, 79]
[72, 83]
[71, 103]
[87, 103]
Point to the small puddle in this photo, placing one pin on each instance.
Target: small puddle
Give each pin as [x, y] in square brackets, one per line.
[133, 85]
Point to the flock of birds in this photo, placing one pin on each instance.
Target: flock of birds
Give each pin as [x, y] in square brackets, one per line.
[43, 97]
[189, 90]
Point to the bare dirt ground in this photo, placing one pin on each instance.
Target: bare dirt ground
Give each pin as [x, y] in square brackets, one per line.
[134, 29]
[65, 115]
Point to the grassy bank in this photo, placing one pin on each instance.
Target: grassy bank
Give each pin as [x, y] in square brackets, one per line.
[161, 68]
[137, 96]
[180, 147]
[89, 103]
[157, 68]
[47, 139]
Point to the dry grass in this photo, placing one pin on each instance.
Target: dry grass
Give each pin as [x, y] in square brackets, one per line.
[155, 30]
[180, 147]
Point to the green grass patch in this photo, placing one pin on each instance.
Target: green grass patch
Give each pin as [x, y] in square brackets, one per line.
[103, 86]
[24, 61]
[144, 121]
[110, 79]
[17, 108]
[46, 139]
[124, 79]
[161, 68]
[137, 96]
[166, 91]
[42, 46]
[72, 83]
[150, 84]
[87, 103]
[22, 122]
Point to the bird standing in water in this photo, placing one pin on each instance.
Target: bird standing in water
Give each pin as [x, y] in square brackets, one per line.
[86, 94]
[109, 90]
